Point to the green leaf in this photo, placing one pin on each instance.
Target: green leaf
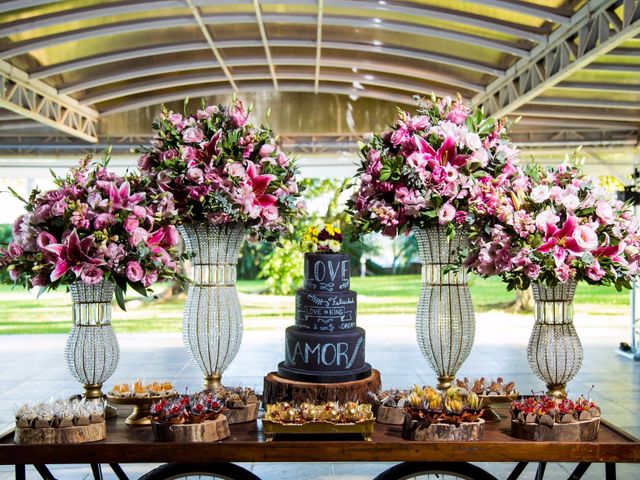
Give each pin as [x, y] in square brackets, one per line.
[120, 298]
[385, 173]
[138, 287]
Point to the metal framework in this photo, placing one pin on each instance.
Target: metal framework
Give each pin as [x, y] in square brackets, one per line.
[593, 31]
[37, 101]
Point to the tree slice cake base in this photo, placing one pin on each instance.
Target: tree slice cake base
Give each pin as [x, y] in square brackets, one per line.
[424, 431]
[584, 431]
[242, 415]
[389, 415]
[278, 389]
[55, 436]
[207, 431]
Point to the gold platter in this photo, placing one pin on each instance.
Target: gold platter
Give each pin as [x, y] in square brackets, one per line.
[141, 414]
[364, 428]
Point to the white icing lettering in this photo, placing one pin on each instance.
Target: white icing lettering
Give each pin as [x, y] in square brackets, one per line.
[326, 348]
[318, 273]
[342, 348]
[308, 350]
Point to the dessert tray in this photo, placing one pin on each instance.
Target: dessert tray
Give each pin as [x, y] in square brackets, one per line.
[388, 405]
[189, 418]
[550, 419]
[491, 392]
[141, 397]
[60, 422]
[331, 418]
[240, 404]
[450, 416]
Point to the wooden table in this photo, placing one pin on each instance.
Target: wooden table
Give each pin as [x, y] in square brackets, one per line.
[125, 444]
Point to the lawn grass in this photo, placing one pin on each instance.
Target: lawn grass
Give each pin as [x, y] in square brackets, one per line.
[21, 312]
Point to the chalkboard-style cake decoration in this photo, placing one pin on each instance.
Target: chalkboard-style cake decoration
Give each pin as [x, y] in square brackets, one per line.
[325, 345]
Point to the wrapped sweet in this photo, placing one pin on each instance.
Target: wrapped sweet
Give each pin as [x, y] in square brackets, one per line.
[138, 389]
[329, 412]
[550, 410]
[59, 414]
[187, 409]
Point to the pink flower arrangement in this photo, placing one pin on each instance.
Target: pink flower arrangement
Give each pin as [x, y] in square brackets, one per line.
[431, 168]
[95, 225]
[555, 225]
[221, 169]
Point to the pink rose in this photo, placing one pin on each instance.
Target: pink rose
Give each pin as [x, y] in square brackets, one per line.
[192, 135]
[138, 235]
[134, 271]
[169, 154]
[266, 150]
[457, 116]
[14, 273]
[103, 220]
[235, 169]
[595, 271]
[533, 271]
[139, 211]
[399, 137]
[171, 235]
[91, 275]
[270, 214]
[144, 163]
[149, 279]
[44, 239]
[15, 250]
[58, 208]
[131, 223]
[446, 214]
[604, 211]
[563, 272]
[196, 175]
[202, 114]
[238, 114]
[282, 160]
[585, 237]
[175, 118]
[188, 153]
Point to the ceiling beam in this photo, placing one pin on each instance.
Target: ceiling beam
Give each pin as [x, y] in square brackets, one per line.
[156, 100]
[568, 50]
[604, 87]
[265, 43]
[37, 101]
[579, 114]
[614, 67]
[316, 81]
[47, 41]
[346, 76]
[526, 8]
[237, 61]
[9, 5]
[143, 52]
[205, 32]
[585, 102]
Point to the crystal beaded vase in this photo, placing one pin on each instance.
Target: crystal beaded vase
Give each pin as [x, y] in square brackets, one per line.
[554, 351]
[212, 320]
[92, 350]
[445, 322]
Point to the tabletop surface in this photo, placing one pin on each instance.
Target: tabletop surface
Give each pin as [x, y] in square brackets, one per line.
[247, 443]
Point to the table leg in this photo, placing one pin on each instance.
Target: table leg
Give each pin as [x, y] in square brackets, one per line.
[540, 472]
[44, 472]
[610, 471]
[21, 473]
[580, 470]
[96, 469]
[518, 470]
[117, 469]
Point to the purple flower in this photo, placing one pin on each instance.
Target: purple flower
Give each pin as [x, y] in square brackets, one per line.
[91, 275]
[131, 223]
[192, 135]
[15, 250]
[238, 114]
[266, 150]
[104, 220]
[138, 235]
[175, 118]
[134, 271]
[150, 278]
[189, 153]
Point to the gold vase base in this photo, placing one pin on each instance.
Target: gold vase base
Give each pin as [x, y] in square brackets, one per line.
[212, 381]
[141, 416]
[444, 382]
[92, 391]
[557, 390]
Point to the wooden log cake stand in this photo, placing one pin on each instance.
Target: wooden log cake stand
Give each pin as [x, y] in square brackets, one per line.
[278, 389]
[207, 431]
[68, 435]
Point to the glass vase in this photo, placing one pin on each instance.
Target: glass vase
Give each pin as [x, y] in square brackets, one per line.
[212, 320]
[445, 322]
[92, 350]
[554, 351]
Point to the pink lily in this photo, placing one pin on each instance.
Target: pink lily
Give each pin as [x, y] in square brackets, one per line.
[446, 154]
[561, 237]
[259, 184]
[72, 254]
[122, 198]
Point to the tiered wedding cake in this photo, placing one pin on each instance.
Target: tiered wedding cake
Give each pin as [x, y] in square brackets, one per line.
[325, 345]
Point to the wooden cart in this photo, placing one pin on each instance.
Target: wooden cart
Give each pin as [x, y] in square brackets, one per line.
[247, 443]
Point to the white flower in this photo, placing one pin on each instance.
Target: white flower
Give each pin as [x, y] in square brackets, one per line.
[604, 211]
[446, 213]
[571, 202]
[546, 217]
[473, 141]
[585, 237]
[540, 193]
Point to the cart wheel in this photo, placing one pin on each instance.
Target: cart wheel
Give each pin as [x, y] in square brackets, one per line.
[195, 471]
[433, 471]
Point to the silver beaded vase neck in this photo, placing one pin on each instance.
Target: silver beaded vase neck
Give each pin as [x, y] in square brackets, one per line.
[445, 321]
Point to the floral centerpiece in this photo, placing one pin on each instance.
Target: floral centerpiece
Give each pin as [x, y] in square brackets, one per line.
[552, 228]
[96, 232]
[327, 239]
[228, 178]
[434, 173]
[223, 170]
[95, 226]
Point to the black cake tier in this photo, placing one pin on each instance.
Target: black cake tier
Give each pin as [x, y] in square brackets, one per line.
[326, 311]
[324, 357]
[326, 272]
